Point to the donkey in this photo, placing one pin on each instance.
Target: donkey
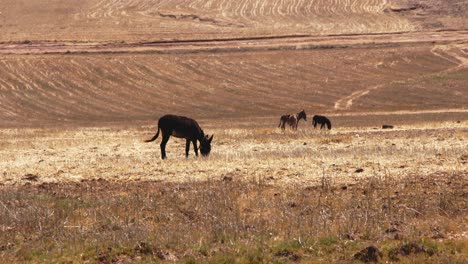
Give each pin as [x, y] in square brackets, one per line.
[182, 127]
[322, 120]
[292, 120]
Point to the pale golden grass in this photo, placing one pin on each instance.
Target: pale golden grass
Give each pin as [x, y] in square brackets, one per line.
[302, 157]
[263, 195]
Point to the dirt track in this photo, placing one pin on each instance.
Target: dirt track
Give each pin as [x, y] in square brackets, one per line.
[454, 53]
[279, 42]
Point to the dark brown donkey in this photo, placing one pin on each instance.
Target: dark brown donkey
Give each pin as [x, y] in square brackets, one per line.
[292, 120]
[182, 127]
[322, 120]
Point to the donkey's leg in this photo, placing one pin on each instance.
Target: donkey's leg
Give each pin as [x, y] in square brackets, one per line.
[195, 147]
[164, 140]
[322, 126]
[187, 147]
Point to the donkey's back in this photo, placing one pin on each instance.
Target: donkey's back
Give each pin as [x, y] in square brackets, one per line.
[180, 126]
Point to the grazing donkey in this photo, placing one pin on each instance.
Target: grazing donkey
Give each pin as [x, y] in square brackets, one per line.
[292, 120]
[322, 120]
[182, 127]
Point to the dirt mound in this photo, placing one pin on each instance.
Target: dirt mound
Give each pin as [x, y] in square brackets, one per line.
[369, 254]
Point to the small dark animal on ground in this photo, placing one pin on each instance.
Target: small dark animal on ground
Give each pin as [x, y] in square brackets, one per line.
[387, 127]
[322, 120]
[292, 120]
[182, 127]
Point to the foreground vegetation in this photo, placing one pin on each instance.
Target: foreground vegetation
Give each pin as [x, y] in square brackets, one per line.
[419, 218]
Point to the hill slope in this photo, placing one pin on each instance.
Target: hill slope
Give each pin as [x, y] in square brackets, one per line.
[137, 20]
[102, 60]
[113, 87]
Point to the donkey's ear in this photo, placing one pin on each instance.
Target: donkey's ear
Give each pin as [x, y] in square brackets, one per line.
[211, 138]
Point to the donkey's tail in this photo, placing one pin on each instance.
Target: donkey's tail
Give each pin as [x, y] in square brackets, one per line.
[153, 138]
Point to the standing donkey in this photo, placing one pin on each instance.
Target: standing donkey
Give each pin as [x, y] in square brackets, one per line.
[182, 127]
[292, 120]
[322, 120]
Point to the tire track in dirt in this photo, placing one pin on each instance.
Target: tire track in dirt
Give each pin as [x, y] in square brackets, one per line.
[346, 103]
[259, 43]
[450, 53]
[453, 53]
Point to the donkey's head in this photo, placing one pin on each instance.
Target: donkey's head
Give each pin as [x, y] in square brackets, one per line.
[302, 115]
[205, 145]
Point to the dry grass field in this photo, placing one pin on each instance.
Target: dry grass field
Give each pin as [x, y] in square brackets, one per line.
[83, 83]
[99, 194]
[57, 155]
